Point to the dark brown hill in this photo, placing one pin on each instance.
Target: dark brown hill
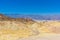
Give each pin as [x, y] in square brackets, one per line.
[23, 20]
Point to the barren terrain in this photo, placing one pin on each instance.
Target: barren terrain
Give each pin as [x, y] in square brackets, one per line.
[28, 29]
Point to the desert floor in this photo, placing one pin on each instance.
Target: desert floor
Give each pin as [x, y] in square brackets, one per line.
[47, 37]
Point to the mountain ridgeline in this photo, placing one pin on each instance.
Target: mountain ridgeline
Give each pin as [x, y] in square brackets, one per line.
[36, 17]
[7, 18]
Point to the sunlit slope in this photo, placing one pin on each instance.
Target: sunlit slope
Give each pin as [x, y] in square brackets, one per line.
[53, 26]
[14, 30]
[19, 29]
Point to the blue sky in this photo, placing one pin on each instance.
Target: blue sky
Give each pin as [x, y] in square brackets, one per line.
[30, 6]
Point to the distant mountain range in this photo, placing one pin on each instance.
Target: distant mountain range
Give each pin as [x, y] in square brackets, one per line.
[36, 17]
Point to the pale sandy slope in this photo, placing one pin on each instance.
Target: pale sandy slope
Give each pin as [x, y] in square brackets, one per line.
[47, 37]
[40, 31]
[55, 27]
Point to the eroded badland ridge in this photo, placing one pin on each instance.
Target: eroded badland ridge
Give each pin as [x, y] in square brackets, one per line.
[16, 28]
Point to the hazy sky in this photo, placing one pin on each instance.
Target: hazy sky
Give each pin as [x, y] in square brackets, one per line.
[30, 6]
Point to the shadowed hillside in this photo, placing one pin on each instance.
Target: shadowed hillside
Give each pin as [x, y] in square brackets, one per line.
[23, 20]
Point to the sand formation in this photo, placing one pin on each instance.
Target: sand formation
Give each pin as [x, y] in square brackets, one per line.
[26, 27]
